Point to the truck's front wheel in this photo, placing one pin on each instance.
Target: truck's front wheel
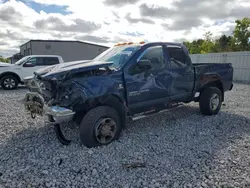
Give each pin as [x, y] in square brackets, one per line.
[210, 101]
[9, 82]
[100, 126]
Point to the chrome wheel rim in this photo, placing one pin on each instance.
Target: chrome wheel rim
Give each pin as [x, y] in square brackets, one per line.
[214, 101]
[9, 83]
[105, 130]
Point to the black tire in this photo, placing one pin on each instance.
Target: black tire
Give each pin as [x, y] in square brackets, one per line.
[90, 122]
[206, 106]
[13, 82]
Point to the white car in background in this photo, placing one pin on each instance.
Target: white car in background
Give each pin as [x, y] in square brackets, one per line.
[13, 74]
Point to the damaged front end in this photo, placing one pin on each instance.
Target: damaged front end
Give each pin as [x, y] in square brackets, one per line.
[37, 104]
[59, 92]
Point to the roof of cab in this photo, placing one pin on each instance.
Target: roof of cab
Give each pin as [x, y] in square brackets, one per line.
[42, 56]
[149, 43]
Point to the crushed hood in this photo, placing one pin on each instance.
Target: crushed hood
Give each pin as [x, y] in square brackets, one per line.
[69, 68]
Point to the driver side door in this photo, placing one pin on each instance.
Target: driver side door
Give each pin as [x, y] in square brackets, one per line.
[146, 85]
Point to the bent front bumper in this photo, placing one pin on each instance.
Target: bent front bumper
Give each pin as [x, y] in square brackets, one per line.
[59, 114]
[34, 103]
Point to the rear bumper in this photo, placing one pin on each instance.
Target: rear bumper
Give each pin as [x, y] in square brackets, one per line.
[34, 103]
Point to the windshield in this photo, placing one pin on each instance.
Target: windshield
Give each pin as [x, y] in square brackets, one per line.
[117, 55]
[20, 61]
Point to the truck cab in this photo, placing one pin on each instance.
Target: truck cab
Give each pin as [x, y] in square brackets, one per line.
[13, 74]
[158, 74]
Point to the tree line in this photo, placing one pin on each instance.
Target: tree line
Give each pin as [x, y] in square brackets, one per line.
[238, 41]
[4, 60]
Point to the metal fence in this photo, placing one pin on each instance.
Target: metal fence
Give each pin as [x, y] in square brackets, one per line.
[239, 60]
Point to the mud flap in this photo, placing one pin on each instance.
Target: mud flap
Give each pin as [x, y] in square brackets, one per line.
[60, 135]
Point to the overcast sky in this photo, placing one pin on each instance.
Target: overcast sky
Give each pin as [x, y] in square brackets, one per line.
[111, 21]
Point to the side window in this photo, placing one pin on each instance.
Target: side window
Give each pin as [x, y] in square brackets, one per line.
[177, 57]
[155, 56]
[151, 59]
[39, 61]
[31, 62]
[50, 61]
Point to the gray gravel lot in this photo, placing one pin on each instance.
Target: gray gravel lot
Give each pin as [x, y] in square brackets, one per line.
[180, 148]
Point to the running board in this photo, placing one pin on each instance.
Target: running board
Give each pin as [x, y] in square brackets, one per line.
[153, 112]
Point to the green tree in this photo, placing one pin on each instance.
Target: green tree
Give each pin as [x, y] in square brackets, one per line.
[242, 34]
[240, 41]
[4, 60]
[208, 36]
[223, 44]
[207, 44]
[194, 47]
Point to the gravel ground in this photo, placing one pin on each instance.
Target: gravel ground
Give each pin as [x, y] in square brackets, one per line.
[181, 148]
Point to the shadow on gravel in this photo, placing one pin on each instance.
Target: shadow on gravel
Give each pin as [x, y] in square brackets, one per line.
[180, 148]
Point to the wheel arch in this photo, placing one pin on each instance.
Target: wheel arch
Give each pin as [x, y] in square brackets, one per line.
[112, 100]
[10, 73]
[215, 83]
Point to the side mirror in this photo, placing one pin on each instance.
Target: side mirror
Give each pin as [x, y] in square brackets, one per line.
[28, 64]
[144, 64]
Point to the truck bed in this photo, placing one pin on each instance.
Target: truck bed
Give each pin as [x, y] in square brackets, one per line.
[223, 70]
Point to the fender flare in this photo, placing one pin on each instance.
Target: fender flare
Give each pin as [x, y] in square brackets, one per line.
[212, 80]
[112, 100]
[116, 102]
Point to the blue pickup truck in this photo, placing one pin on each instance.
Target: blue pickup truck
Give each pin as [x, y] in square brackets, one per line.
[127, 81]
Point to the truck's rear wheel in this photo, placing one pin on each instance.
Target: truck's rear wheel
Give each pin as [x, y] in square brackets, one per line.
[100, 126]
[9, 82]
[210, 101]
